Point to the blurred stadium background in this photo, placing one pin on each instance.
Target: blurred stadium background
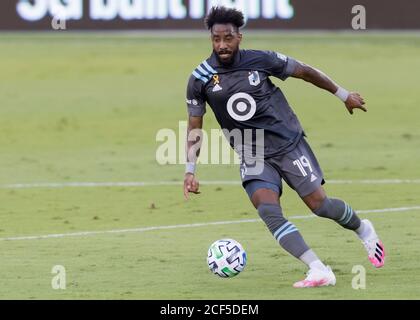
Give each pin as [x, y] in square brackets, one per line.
[80, 186]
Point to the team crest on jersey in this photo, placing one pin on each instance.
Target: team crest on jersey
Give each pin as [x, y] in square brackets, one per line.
[254, 78]
[216, 83]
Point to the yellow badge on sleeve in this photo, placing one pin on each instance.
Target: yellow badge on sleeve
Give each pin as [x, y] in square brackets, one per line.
[216, 79]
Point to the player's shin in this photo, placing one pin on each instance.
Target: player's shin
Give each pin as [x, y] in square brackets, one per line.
[291, 240]
[284, 231]
[339, 211]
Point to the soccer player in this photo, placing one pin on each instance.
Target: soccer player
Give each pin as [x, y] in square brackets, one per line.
[235, 83]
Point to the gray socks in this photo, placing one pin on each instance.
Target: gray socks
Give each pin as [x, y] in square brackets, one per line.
[284, 231]
[312, 261]
[340, 212]
[290, 238]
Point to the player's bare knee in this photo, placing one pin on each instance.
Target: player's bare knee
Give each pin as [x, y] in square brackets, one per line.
[262, 192]
[264, 196]
[316, 204]
[315, 200]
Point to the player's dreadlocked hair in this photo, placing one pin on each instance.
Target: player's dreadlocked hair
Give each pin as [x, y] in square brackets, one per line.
[224, 15]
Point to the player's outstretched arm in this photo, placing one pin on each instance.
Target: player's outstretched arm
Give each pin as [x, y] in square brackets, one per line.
[352, 100]
[193, 145]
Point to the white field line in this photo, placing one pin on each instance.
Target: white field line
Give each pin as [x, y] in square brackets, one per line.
[180, 226]
[58, 185]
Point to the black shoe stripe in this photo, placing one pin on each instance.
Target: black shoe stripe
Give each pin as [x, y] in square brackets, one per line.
[378, 257]
[380, 247]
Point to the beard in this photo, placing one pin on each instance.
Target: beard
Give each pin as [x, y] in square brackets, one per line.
[226, 62]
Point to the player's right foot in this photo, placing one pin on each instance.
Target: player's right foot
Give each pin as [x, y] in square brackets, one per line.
[317, 278]
[373, 246]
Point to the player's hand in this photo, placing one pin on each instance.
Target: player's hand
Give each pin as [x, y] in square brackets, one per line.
[190, 185]
[355, 101]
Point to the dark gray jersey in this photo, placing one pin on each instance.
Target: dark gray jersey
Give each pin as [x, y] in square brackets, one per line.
[242, 96]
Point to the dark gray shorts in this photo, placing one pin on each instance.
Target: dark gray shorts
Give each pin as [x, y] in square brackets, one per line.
[299, 168]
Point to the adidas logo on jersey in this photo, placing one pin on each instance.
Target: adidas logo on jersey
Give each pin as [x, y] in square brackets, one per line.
[217, 87]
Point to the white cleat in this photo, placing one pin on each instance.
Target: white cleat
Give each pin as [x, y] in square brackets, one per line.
[374, 246]
[317, 278]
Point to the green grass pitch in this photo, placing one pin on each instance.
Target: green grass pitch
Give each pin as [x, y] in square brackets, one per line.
[87, 108]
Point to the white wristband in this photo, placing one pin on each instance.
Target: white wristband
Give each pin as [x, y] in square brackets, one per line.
[342, 93]
[190, 167]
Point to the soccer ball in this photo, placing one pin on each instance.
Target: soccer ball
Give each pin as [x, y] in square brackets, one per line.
[226, 258]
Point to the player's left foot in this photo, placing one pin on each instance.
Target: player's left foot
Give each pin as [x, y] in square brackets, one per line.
[317, 278]
[373, 246]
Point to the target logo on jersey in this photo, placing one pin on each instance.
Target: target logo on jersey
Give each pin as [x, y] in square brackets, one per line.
[241, 106]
